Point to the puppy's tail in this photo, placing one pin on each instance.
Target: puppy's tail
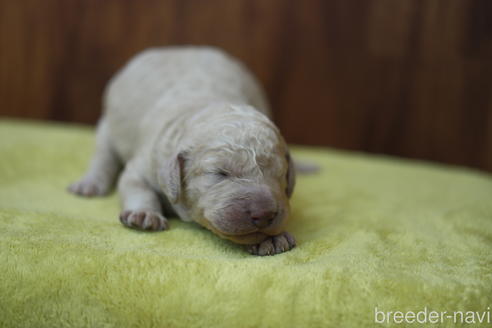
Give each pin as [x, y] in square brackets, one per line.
[306, 167]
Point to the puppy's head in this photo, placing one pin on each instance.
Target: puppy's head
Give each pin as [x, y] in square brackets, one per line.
[234, 177]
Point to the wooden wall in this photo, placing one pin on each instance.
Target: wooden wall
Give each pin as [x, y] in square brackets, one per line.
[403, 77]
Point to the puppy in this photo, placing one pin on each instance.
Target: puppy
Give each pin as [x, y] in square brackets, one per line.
[190, 128]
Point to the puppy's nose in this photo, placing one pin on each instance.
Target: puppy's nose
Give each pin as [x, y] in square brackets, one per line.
[263, 219]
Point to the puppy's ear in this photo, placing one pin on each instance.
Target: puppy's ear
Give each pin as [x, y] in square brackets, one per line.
[291, 176]
[172, 174]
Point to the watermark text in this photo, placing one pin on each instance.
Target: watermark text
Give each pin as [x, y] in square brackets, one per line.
[430, 316]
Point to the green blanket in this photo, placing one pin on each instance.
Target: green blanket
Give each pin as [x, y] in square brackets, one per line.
[374, 234]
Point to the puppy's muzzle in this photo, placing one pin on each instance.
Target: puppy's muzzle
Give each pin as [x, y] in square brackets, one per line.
[253, 209]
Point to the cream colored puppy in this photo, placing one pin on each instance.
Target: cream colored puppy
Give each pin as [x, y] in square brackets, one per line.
[190, 127]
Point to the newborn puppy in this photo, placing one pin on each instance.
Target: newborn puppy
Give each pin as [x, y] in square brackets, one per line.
[190, 127]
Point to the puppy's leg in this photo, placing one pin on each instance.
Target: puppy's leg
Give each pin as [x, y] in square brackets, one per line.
[141, 205]
[103, 168]
[273, 245]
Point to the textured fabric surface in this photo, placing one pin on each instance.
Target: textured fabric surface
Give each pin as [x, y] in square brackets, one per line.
[372, 232]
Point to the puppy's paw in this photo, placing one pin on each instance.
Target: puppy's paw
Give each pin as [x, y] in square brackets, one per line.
[144, 220]
[89, 187]
[273, 245]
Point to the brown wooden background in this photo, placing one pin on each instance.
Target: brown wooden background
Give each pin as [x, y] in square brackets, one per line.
[404, 77]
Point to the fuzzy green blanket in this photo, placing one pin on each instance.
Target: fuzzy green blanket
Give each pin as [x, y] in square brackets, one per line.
[374, 235]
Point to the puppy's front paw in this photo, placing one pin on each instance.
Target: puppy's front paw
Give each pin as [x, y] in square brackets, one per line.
[89, 187]
[144, 220]
[273, 245]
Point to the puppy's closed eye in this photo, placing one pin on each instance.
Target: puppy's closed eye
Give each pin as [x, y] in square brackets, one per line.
[219, 174]
[222, 173]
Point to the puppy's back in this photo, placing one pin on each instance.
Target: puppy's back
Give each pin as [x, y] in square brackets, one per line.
[155, 82]
[182, 73]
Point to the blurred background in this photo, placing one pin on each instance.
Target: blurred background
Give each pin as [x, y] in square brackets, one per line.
[411, 78]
